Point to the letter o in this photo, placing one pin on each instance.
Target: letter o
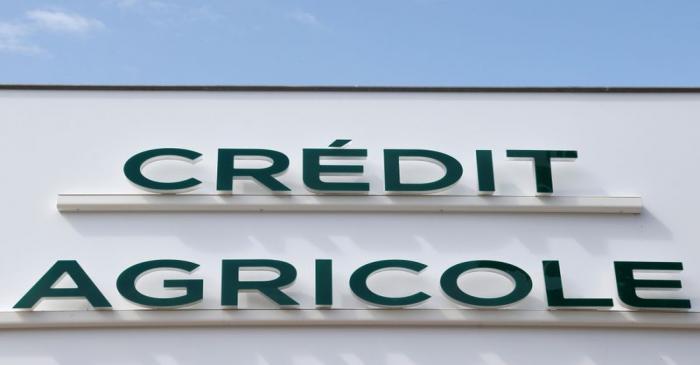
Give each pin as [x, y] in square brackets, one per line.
[521, 281]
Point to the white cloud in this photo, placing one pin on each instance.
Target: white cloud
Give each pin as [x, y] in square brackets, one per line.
[16, 36]
[304, 17]
[12, 39]
[12, 30]
[58, 21]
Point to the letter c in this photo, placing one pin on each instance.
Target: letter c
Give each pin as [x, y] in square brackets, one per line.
[134, 166]
[358, 283]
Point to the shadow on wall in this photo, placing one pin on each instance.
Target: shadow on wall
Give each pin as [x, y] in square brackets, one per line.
[351, 346]
[377, 233]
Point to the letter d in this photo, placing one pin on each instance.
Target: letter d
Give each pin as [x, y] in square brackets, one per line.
[392, 171]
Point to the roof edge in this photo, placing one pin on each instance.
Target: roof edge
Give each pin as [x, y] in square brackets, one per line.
[399, 89]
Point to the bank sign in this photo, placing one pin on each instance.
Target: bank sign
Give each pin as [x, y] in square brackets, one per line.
[329, 205]
[318, 163]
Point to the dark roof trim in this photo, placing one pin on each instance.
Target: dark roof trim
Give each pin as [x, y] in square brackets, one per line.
[399, 89]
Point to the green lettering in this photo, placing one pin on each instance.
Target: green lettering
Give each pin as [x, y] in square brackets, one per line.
[226, 171]
[392, 170]
[521, 281]
[543, 165]
[358, 283]
[133, 170]
[231, 284]
[555, 290]
[627, 285]
[126, 284]
[43, 288]
[484, 169]
[313, 169]
[324, 283]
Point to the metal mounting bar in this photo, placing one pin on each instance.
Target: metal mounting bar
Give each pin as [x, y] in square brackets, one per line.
[346, 203]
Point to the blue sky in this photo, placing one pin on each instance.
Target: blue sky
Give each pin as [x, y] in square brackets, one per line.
[358, 42]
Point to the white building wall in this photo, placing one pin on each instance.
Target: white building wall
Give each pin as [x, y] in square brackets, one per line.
[76, 142]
